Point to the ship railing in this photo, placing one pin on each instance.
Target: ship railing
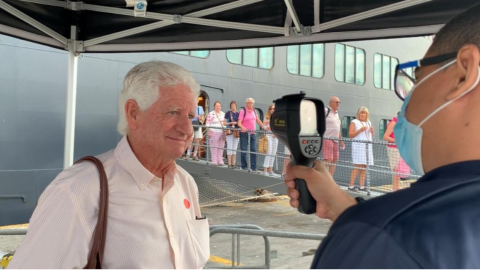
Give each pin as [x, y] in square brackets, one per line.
[373, 167]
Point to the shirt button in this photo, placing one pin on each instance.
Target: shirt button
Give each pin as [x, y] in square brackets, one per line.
[172, 235]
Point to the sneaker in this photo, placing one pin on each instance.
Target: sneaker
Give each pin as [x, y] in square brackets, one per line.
[185, 157]
[221, 164]
[272, 174]
[266, 173]
[352, 188]
[196, 158]
[362, 189]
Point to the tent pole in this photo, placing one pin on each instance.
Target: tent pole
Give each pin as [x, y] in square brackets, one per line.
[71, 103]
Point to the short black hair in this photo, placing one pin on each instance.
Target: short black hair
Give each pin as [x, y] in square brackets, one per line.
[463, 29]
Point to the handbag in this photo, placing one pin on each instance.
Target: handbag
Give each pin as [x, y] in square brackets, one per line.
[95, 257]
[236, 133]
[263, 144]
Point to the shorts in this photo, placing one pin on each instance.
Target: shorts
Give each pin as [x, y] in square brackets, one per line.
[393, 157]
[330, 150]
[198, 134]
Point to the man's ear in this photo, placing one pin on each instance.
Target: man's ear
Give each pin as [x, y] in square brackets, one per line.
[466, 67]
[131, 113]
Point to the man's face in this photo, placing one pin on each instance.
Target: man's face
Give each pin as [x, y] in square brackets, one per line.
[165, 128]
[249, 104]
[334, 104]
[429, 95]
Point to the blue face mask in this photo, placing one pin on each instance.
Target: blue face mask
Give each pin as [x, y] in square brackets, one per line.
[408, 136]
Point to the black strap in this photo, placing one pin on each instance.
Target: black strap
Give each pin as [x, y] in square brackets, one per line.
[245, 112]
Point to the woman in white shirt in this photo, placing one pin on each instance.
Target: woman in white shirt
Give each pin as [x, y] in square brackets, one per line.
[272, 144]
[216, 138]
[361, 129]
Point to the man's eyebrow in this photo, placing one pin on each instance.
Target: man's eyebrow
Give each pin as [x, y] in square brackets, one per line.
[172, 108]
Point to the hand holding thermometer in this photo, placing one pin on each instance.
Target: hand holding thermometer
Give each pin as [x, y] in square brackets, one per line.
[299, 123]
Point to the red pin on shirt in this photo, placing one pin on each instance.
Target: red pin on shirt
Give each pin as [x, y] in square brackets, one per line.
[187, 203]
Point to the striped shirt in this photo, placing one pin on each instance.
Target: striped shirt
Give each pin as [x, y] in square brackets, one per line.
[151, 221]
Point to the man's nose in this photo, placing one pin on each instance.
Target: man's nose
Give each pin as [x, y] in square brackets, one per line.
[184, 125]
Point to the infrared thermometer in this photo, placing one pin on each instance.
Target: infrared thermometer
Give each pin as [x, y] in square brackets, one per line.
[299, 123]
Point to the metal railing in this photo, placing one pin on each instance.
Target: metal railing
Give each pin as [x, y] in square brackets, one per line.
[236, 231]
[382, 171]
[254, 230]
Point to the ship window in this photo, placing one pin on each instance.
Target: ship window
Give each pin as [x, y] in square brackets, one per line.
[346, 120]
[382, 128]
[199, 54]
[252, 57]
[349, 64]
[384, 71]
[306, 60]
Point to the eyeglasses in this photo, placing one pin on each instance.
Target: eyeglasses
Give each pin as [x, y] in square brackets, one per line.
[404, 82]
[272, 109]
[337, 102]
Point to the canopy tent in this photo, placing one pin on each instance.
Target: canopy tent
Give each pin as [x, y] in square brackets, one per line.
[166, 25]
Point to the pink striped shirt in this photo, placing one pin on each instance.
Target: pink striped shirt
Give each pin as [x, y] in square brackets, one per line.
[149, 226]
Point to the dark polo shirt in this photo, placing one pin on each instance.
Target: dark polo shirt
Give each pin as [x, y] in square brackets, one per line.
[433, 224]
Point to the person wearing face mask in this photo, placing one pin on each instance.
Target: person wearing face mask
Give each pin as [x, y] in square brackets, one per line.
[434, 223]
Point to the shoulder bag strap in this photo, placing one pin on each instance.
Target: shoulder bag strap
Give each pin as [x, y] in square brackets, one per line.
[221, 122]
[95, 257]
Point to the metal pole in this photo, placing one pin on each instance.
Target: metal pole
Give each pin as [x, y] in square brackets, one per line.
[248, 152]
[207, 143]
[238, 250]
[367, 168]
[233, 250]
[71, 102]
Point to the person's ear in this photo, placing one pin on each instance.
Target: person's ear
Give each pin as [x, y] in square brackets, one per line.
[466, 70]
[131, 113]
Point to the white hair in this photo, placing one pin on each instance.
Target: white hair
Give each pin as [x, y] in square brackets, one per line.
[246, 100]
[143, 83]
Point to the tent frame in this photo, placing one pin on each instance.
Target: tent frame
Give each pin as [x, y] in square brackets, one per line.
[75, 47]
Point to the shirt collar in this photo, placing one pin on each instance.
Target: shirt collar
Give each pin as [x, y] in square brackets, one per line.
[456, 172]
[332, 110]
[128, 160]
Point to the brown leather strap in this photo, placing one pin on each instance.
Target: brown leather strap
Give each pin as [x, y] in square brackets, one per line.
[95, 257]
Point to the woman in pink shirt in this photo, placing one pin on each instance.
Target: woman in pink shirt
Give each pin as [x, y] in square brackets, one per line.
[397, 164]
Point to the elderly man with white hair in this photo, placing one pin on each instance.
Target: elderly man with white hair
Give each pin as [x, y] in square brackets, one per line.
[154, 218]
